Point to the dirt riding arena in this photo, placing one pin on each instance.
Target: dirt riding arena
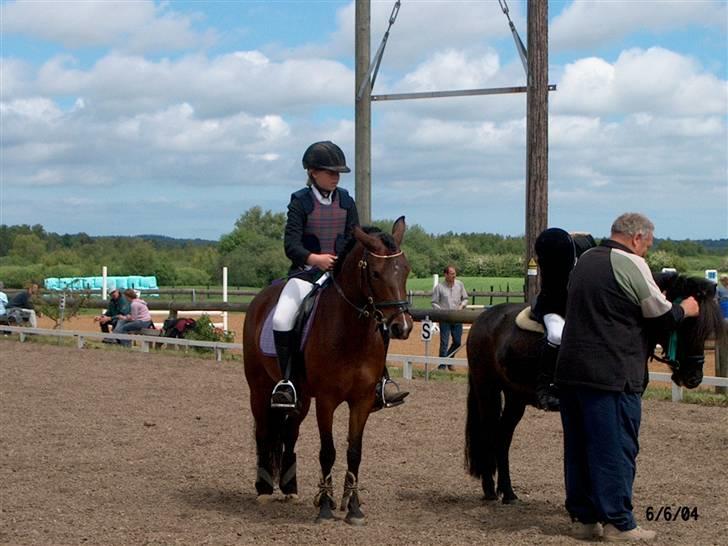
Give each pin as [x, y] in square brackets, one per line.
[108, 446]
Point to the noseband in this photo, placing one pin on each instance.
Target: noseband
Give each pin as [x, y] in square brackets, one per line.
[373, 308]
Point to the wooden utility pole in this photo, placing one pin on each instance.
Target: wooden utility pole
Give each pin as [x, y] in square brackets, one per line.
[363, 114]
[537, 135]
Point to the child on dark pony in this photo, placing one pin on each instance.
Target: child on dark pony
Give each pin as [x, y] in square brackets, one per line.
[557, 252]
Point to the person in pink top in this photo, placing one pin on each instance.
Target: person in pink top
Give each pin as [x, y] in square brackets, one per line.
[138, 319]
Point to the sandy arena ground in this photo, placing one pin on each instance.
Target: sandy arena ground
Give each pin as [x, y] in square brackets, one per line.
[109, 446]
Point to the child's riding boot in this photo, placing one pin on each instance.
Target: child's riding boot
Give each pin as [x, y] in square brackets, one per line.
[546, 391]
[284, 393]
[387, 393]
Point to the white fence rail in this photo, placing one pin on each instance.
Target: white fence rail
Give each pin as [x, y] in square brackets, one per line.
[145, 342]
[406, 362]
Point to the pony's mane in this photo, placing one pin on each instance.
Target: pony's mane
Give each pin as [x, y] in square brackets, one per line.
[677, 286]
[386, 239]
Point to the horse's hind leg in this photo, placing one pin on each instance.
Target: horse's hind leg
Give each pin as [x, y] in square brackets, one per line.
[350, 502]
[512, 413]
[327, 455]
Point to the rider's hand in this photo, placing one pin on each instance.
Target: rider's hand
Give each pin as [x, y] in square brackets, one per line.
[324, 262]
[690, 307]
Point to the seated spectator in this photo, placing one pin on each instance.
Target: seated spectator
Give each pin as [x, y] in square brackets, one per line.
[138, 319]
[24, 301]
[118, 307]
[3, 299]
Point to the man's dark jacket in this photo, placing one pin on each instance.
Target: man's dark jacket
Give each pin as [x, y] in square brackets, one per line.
[612, 296]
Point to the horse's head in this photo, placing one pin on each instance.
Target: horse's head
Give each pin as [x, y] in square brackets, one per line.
[382, 279]
[684, 349]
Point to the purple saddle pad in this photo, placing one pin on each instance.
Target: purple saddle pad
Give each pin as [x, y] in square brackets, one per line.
[268, 346]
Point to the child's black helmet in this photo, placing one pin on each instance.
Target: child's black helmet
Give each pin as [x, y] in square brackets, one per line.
[325, 155]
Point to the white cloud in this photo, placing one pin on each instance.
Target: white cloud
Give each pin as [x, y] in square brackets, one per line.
[222, 85]
[590, 23]
[655, 80]
[136, 26]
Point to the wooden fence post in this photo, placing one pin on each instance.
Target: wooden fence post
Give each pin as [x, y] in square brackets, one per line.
[721, 361]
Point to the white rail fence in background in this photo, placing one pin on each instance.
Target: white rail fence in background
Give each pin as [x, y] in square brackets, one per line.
[406, 362]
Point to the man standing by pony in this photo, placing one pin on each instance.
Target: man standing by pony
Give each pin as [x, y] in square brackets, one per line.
[602, 372]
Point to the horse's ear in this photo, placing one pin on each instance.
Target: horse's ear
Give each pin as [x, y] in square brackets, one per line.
[398, 230]
[372, 243]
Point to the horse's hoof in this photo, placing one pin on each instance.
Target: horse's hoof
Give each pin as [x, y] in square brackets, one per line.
[514, 500]
[355, 520]
[326, 519]
[490, 498]
[292, 497]
[264, 499]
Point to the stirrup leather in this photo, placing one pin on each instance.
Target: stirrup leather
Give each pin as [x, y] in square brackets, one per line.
[386, 403]
[283, 384]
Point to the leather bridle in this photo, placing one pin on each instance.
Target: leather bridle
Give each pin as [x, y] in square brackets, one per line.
[371, 307]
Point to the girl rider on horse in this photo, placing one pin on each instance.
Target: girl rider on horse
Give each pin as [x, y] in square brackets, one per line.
[321, 218]
[557, 252]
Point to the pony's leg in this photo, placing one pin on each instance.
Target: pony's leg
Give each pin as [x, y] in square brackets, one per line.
[512, 413]
[327, 455]
[493, 412]
[358, 414]
[265, 445]
[288, 482]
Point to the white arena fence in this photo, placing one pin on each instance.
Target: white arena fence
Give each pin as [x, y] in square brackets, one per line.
[406, 362]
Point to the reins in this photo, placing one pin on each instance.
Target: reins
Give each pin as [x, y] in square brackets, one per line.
[670, 355]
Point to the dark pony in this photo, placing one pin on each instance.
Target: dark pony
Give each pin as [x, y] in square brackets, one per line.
[344, 359]
[503, 368]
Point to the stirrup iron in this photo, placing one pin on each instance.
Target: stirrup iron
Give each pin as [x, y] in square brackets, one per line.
[283, 384]
[386, 403]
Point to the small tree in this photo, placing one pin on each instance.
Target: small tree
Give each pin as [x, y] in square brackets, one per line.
[66, 308]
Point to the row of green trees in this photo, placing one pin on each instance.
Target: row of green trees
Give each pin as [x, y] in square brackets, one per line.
[253, 253]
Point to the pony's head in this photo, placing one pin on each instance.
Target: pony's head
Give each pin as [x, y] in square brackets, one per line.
[684, 349]
[382, 276]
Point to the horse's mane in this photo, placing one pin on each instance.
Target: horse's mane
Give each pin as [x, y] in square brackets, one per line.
[386, 239]
[677, 286]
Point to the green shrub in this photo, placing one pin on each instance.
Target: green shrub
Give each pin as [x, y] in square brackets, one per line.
[16, 276]
[205, 330]
[191, 276]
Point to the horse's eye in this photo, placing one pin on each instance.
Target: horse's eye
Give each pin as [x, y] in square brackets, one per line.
[375, 275]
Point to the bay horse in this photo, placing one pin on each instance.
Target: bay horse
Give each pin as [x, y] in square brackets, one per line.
[503, 370]
[344, 358]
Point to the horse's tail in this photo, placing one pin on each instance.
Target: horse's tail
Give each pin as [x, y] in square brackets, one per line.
[481, 427]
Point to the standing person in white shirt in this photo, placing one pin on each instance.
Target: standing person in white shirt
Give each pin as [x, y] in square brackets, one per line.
[450, 294]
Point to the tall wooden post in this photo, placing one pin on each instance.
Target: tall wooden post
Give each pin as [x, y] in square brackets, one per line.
[363, 114]
[536, 134]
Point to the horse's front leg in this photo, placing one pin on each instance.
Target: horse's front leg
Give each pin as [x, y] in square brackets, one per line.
[265, 447]
[288, 481]
[358, 414]
[327, 455]
[513, 410]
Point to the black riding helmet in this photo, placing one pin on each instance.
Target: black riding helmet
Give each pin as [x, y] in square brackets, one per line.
[325, 155]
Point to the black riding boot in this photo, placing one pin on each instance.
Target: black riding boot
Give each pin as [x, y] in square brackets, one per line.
[284, 393]
[387, 393]
[546, 392]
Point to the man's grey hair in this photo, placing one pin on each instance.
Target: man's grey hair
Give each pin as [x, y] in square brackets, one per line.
[633, 223]
[2, 285]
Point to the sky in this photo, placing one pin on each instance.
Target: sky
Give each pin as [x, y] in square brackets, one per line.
[124, 117]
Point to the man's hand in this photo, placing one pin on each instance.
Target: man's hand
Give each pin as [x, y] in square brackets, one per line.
[690, 307]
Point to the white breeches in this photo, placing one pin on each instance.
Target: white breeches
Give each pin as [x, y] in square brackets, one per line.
[284, 317]
[554, 327]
